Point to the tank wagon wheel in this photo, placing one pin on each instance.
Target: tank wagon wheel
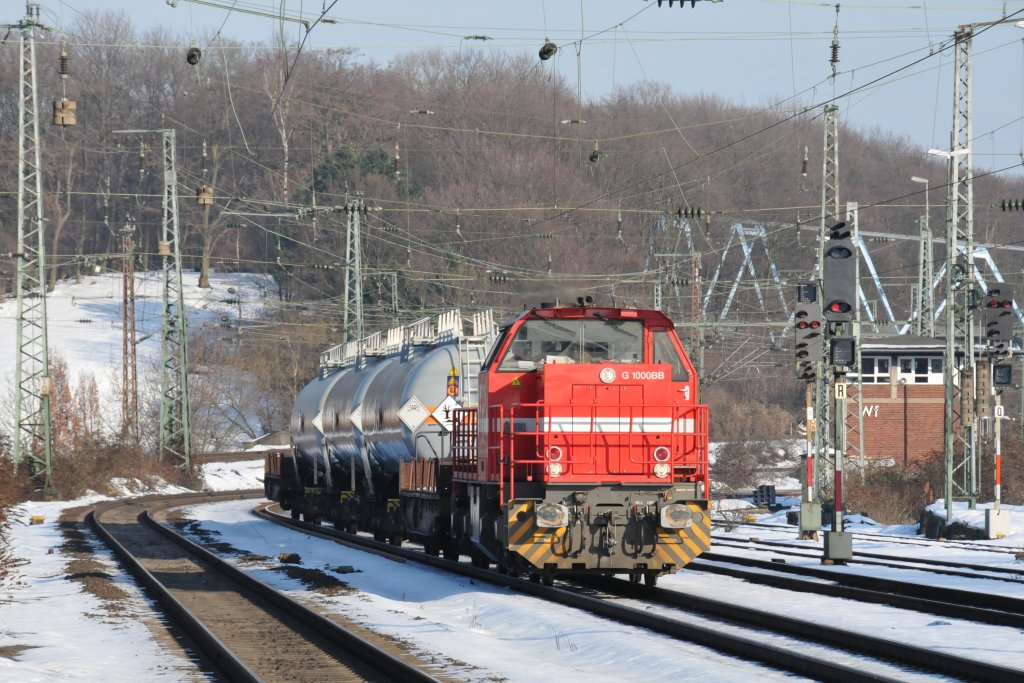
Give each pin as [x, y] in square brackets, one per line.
[534, 577]
[548, 579]
[634, 577]
[478, 559]
[353, 527]
[450, 552]
[395, 538]
[650, 579]
[295, 513]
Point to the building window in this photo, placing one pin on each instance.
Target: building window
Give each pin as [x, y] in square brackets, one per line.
[875, 370]
[921, 369]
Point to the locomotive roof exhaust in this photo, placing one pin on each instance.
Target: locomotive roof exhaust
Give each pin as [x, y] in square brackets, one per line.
[580, 301]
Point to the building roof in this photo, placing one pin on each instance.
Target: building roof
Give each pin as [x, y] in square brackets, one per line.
[903, 342]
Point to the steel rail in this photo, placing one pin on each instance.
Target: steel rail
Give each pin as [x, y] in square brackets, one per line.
[919, 542]
[960, 604]
[710, 636]
[946, 568]
[923, 658]
[219, 654]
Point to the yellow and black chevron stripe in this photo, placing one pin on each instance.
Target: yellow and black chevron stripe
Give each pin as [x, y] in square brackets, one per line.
[536, 545]
[679, 546]
[543, 546]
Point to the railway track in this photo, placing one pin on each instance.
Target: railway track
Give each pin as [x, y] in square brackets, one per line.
[923, 659]
[237, 622]
[820, 652]
[975, 606]
[944, 567]
[904, 540]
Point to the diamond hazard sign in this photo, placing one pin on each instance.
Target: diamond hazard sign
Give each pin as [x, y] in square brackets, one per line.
[444, 412]
[413, 413]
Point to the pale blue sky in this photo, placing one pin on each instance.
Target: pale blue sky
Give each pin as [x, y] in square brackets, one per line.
[753, 52]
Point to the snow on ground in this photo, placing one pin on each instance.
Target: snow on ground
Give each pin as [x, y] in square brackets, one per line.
[84, 323]
[51, 629]
[233, 476]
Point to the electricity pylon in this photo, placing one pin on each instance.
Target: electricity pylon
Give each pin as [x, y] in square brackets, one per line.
[33, 437]
[175, 434]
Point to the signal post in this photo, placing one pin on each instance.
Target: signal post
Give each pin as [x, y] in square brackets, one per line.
[839, 303]
[999, 316]
[807, 328]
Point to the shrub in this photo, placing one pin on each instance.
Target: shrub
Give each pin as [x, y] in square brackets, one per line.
[746, 464]
[891, 494]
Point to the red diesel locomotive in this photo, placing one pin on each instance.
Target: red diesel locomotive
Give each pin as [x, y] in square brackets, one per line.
[588, 451]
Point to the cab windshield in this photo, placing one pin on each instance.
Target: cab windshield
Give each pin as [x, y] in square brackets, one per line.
[574, 341]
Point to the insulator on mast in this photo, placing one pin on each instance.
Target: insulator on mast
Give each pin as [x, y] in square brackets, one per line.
[65, 111]
[204, 193]
[803, 168]
[834, 60]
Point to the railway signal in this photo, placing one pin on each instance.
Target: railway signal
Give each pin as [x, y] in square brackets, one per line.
[839, 276]
[806, 371]
[807, 324]
[999, 320]
[842, 352]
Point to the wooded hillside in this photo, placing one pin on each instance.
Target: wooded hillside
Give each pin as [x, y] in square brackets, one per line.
[487, 183]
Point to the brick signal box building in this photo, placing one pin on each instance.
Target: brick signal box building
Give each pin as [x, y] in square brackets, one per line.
[903, 400]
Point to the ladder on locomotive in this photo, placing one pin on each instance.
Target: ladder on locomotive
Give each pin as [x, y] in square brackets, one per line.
[473, 351]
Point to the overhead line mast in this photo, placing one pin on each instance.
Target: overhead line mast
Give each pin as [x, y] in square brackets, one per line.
[175, 432]
[33, 437]
[961, 439]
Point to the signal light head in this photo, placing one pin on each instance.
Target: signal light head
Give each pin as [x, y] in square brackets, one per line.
[839, 307]
[837, 231]
[839, 252]
[806, 292]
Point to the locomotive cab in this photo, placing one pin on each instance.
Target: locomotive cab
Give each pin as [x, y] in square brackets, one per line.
[588, 449]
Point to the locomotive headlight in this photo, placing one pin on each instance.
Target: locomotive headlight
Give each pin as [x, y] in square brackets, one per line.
[551, 515]
[676, 516]
[554, 455]
[661, 470]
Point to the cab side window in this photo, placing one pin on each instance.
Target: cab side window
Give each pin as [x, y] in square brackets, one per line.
[665, 352]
